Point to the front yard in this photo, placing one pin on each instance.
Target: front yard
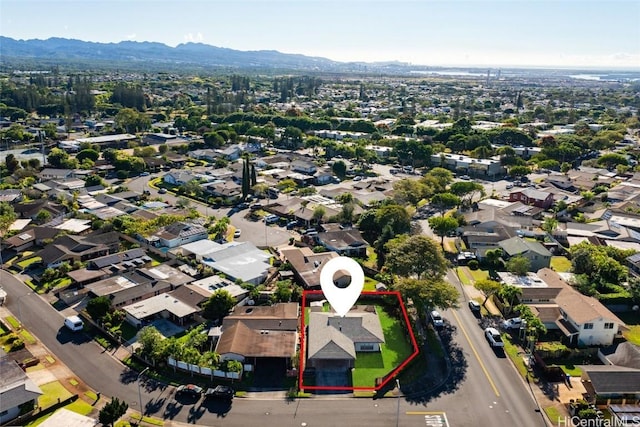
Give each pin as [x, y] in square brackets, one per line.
[395, 350]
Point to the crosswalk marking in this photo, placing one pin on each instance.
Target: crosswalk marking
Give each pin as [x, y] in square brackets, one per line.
[433, 419]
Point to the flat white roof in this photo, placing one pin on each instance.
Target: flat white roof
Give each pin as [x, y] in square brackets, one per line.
[531, 280]
[75, 225]
[159, 303]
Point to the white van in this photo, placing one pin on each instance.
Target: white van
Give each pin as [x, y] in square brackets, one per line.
[74, 323]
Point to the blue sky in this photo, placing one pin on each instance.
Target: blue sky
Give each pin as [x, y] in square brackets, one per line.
[566, 33]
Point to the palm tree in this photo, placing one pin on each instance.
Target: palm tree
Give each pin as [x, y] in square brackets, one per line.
[510, 293]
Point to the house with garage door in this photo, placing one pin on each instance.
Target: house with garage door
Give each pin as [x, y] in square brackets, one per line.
[333, 341]
[265, 336]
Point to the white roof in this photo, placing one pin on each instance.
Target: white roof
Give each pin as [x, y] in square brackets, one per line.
[202, 247]
[159, 303]
[531, 280]
[75, 225]
[67, 418]
[19, 224]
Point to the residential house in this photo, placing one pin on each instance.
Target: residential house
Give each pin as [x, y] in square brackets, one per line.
[109, 141]
[240, 260]
[164, 306]
[531, 196]
[230, 153]
[487, 168]
[177, 234]
[229, 191]
[35, 236]
[347, 242]
[206, 154]
[178, 177]
[615, 382]
[334, 341]
[16, 390]
[303, 166]
[110, 265]
[582, 320]
[51, 173]
[70, 248]
[264, 335]
[10, 195]
[306, 266]
[142, 283]
[538, 256]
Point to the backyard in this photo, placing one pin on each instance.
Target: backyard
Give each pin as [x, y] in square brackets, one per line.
[394, 351]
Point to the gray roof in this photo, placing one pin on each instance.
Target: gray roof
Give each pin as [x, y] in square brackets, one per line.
[618, 381]
[119, 257]
[518, 245]
[15, 387]
[334, 337]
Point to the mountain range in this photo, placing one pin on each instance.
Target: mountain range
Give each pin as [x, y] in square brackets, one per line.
[155, 55]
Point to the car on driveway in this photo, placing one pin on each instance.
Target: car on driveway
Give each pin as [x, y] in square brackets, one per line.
[189, 390]
[219, 392]
[511, 324]
[474, 306]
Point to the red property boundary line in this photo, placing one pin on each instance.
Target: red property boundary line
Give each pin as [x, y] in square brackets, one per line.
[388, 377]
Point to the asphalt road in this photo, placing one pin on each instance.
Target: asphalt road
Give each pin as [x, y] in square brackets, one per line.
[493, 392]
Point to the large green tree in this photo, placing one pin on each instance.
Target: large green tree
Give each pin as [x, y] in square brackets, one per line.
[428, 292]
[518, 265]
[218, 305]
[442, 226]
[113, 410]
[415, 256]
[488, 288]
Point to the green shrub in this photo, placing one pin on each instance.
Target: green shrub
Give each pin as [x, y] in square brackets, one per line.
[473, 264]
[16, 345]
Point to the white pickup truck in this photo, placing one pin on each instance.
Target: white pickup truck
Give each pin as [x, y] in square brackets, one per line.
[494, 338]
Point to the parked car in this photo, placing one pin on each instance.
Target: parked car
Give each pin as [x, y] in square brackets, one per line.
[271, 219]
[74, 323]
[144, 174]
[358, 178]
[465, 177]
[474, 305]
[190, 390]
[436, 319]
[514, 323]
[509, 186]
[237, 233]
[220, 392]
[494, 338]
[162, 190]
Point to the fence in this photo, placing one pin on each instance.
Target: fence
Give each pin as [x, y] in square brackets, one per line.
[201, 370]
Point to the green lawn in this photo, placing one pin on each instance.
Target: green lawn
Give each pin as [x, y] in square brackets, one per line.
[15, 324]
[554, 415]
[370, 284]
[560, 264]
[479, 274]
[27, 262]
[80, 407]
[27, 337]
[633, 334]
[51, 393]
[513, 352]
[463, 276]
[571, 369]
[395, 350]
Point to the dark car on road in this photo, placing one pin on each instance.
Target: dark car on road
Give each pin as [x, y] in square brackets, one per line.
[219, 392]
[189, 390]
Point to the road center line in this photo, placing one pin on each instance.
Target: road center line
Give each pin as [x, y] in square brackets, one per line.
[475, 352]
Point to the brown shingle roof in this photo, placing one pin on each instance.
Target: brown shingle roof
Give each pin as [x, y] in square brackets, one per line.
[282, 316]
[580, 308]
[242, 340]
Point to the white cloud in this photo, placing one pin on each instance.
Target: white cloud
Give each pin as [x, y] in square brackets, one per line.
[196, 38]
[131, 36]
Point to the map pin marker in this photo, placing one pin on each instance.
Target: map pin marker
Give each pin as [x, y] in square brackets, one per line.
[341, 299]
